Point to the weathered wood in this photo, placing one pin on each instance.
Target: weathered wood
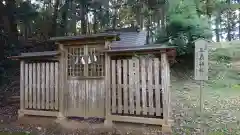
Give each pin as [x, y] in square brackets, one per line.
[143, 80]
[22, 83]
[86, 98]
[125, 84]
[47, 85]
[157, 88]
[164, 89]
[38, 86]
[43, 85]
[34, 90]
[107, 88]
[168, 87]
[131, 84]
[137, 86]
[150, 87]
[113, 65]
[30, 73]
[56, 83]
[38, 113]
[62, 84]
[119, 88]
[52, 85]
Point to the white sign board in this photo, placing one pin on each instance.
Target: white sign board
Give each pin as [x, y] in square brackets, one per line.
[201, 60]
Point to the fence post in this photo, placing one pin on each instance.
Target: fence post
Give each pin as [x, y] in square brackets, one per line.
[62, 82]
[20, 113]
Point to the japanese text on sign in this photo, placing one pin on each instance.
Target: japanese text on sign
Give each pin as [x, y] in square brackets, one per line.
[201, 60]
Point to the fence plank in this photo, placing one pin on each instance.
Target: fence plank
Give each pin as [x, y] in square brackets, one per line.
[157, 87]
[38, 86]
[26, 85]
[143, 79]
[149, 86]
[125, 84]
[137, 86]
[30, 85]
[113, 63]
[51, 85]
[34, 91]
[47, 85]
[119, 82]
[56, 85]
[164, 89]
[22, 83]
[43, 86]
[131, 82]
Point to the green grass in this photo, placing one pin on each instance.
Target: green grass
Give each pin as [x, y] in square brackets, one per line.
[221, 96]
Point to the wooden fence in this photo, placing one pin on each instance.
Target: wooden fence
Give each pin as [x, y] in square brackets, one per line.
[39, 86]
[136, 88]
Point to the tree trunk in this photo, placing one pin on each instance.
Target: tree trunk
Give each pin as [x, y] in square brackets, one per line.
[148, 29]
[217, 24]
[74, 18]
[229, 21]
[95, 22]
[10, 10]
[114, 19]
[53, 32]
[83, 17]
[64, 18]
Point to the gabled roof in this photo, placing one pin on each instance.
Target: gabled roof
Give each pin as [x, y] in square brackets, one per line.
[129, 39]
[80, 37]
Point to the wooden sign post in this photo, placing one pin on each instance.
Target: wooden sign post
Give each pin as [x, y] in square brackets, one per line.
[201, 68]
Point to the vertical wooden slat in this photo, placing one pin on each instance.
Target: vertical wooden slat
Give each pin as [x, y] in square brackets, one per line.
[102, 95]
[164, 89]
[43, 86]
[47, 85]
[143, 79]
[38, 86]
[131, 82]
[56, 80]
[94, 97]
[157, 87]
[125, 88]
[26, 85]
[108, 95]
[87, 98]
[74, 95]
[119, 82]
[22, 83]
[150, 88]
[30, 73]
[52, 85]
[137, 86]
[63, 93]
[113, 63]
[168, 86]
[34, 86]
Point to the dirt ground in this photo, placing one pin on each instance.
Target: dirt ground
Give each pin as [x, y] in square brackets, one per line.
[51, 126]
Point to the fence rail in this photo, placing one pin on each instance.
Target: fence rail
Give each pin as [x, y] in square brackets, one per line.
[40, 85]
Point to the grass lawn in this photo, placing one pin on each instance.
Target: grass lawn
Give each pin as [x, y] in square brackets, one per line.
[221, 109]
[221, 94]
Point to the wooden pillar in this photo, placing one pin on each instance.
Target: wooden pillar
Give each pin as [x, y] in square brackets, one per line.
[108, 121]
[165, 71]
[62, 70]
[22, 83]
